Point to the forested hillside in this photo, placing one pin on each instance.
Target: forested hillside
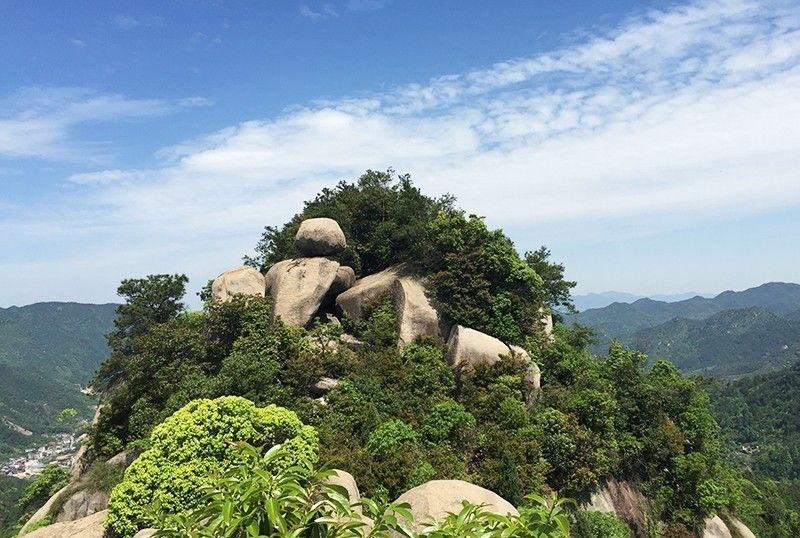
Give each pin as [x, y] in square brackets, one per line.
[47, 352]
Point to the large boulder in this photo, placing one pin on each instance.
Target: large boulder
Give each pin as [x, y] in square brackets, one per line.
[345, 278]
[624, 500]
[243, 280]
[365, 291]
[298, 287]
[87, 527]
[715, 528]
[319, 237]
[348, 482]
[436, 498]
[416, 316]
[44, 511]
[743, 530]
[533, 375]
[470, 347]
[82, 503]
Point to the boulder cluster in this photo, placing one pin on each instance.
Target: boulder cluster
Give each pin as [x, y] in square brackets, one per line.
[316, 286]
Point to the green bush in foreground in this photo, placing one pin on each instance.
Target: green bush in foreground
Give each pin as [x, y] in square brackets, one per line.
[195, 442]
[257, 497]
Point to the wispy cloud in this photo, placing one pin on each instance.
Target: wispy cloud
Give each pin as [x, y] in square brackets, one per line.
[688, 112]
[40, 122]
[124, 20]
[78, 42]
[325, 11]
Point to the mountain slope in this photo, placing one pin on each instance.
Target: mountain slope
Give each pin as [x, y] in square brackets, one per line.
[763, 412]
[732, 342]
[62, 339]
[47, 352]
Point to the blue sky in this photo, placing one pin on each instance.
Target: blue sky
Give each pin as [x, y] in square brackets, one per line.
[654, 147]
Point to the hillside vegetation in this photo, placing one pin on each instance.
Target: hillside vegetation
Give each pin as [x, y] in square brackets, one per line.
[401, 416]
[47, 352]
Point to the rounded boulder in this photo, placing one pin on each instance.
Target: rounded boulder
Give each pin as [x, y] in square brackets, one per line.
[320, 237]
[437, 498]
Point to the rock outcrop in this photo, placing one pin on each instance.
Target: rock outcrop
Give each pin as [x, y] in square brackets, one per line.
[366, 291]
[436, 498]
[743, 530]
[82, 503]
[325, 385]
[715, 528]
[44, 511]
[87, 527]
[416, 316]
[624, 500]
[470, 347]
[319, 237]
[345, 278]
[348, 482]
[299, 286]
[243, 280]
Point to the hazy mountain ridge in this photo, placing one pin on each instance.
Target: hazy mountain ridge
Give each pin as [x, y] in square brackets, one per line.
[602, 299]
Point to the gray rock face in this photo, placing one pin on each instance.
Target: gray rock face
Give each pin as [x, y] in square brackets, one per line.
[345, 278]
[716, 528]
[533, 375]
[471, 347]
[366, 291]
[124, 458]
[245, 280]
[547, 324]
[348, 482]
[438, 497]
[87, 527]
[743, 530]
[81, 504]
[298, 287]
[624, 500]
[320, 237]
[325, 385]
[44, 511]
[415, 315]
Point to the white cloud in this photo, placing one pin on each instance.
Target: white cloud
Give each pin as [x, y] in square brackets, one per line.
[690, 112]
[39, 122]
[78, 42]
[325, 11]
[124, 20]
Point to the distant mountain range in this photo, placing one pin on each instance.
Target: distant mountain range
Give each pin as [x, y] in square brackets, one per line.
[47, 352]
[732, 334]
[605, 298]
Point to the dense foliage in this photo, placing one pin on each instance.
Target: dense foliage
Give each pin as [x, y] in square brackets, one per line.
[761, 435]
[11, 489]
[258, 497]
[398, 418]
[193, 443]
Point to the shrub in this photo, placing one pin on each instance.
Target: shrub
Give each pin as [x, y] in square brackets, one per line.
[600, 525]
[52, 479]
[192, 443]
[389, 437]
